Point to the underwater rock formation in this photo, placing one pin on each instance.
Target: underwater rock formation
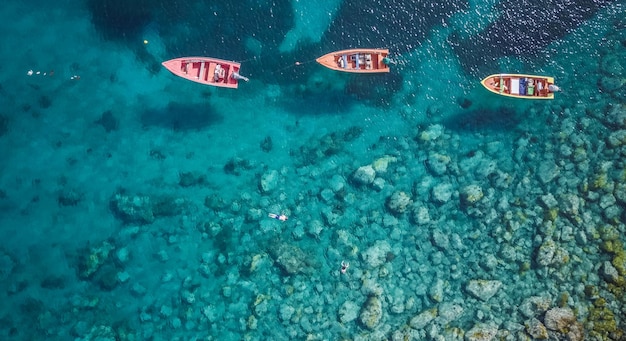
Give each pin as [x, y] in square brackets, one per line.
[94, 258]
[364, 175]
[613, 68]
[269, 181]
[328, 145]
[536, 329]
[188, 179]
[69, 197]
[290, 258]
[437, 163]
[376, 255]
[138, 209]
[471, 194]
[422, 319]
[483, 289]
[559, 319]
[371, 313]
[481, 332]
[398, 202]
[442, 192]
[348, 312]
[133, 209]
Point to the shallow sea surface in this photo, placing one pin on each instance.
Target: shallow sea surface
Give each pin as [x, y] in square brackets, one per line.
[134, 204]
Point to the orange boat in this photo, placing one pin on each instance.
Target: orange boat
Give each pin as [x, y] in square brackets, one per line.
[521, 86]
[204, 70]
[357, 60]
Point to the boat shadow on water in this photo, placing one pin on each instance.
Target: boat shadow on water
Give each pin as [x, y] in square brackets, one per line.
[180, 117]
[492, 119]
[307, 104]
[355, 91]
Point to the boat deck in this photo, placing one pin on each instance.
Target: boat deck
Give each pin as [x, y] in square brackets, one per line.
[356, 60]
[520, 86]
[364, 61]
[207, 71]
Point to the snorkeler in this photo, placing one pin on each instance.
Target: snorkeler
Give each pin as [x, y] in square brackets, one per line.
[280, 217]
[344, 267]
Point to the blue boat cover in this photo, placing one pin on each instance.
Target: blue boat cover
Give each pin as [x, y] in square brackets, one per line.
[522, 86]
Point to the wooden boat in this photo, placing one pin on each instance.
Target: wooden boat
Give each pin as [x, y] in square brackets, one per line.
[521, 86]
[357, 60]
[204, 70]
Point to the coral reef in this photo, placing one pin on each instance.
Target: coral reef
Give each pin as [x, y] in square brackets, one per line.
[422, 319]
[364, 175]
[290, 258]
[93, 259]
[376, 255]
[371, 313]
[398, 202]
[138, 209]
[483, 289]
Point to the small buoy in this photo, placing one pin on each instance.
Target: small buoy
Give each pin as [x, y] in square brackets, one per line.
[145, 42]
[30, 72]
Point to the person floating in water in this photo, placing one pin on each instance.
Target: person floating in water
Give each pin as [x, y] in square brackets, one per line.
[344, 267]
[280, 217]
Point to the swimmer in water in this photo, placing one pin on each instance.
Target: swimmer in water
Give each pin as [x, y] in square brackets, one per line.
[280, 217]
[344, 267]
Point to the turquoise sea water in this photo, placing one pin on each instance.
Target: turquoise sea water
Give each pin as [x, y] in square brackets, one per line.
[133, 204]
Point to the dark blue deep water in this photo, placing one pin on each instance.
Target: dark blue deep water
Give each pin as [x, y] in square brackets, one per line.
[134, 204]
